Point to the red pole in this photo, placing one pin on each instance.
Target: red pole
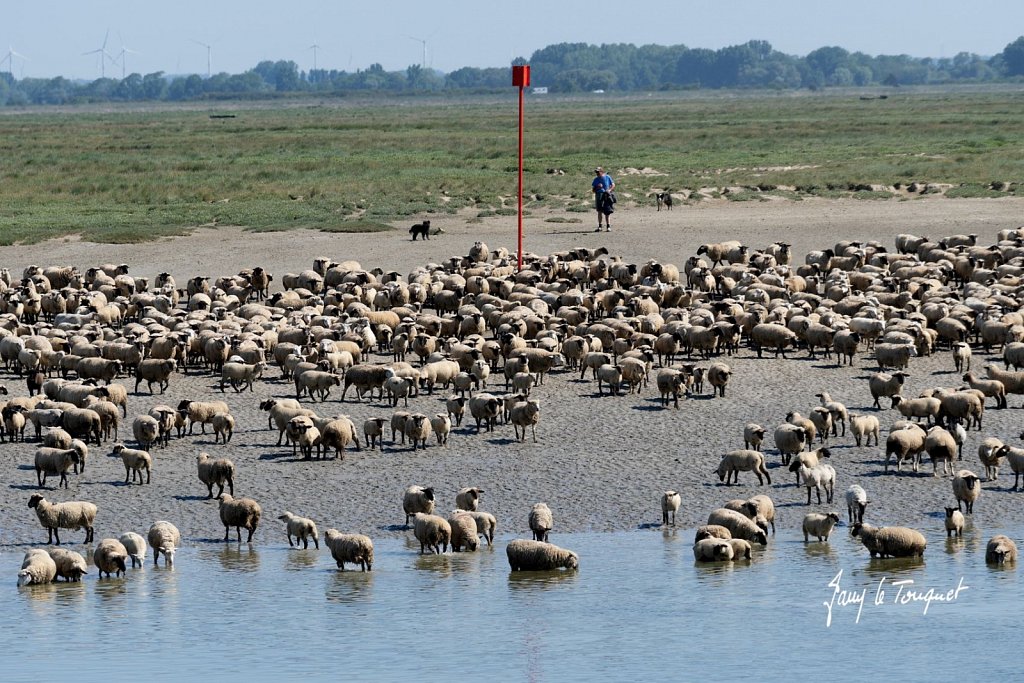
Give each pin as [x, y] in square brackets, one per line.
[519, 249]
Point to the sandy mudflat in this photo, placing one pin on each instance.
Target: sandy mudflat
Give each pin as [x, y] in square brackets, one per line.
[601, 463]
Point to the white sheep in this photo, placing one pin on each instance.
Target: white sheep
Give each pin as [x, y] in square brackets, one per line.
[712, 550]
[893, 541]
[524, 555]
[821, 476]
[223, 427]
[69, 515]
[109, 557]
[856, 502]
[243, 374]
[541, 521]
[351, 548]
[301, 528]
[464, 532]
[136, 547]
[135, 461]
[37, 567]
[988, 454]
[432, 532]
[819, 525]
[734, 462]
[670, 503]
[201, 412]
[71, 566]
[417, 430]
[863, 428]
[954, 523]
[164, 538]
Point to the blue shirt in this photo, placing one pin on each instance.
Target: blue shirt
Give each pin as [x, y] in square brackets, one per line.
[602, 183]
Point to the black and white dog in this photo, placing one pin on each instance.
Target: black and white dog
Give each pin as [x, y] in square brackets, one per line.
[664, 198]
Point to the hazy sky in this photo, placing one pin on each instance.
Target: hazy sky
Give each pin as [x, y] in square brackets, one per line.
[165, 36]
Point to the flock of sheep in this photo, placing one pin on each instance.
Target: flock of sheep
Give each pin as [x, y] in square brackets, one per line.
[70, 335]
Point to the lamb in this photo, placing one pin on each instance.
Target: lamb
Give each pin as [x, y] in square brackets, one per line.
[110, 556]
[164, 538]
[70, 565]
[670, 503]
[541, 521]
[753, 436]
[966, 489]
[739, 525]
[610, 375]
[485, 407]
[808, 425]
[1000, 550]
[523, 414]
[441, 425]
[863, 427]
[70, 515]
[373, 433]
[456, 408]
[524, 555]
[281, 413]
[718, 376]
[37, 567]
[219, 472]
[789, 439]
[417, 499]
[136, 547]
[988, 454]
[55, 461]
[223, 427]
[243, 512]
[201, 412]
[146, 430]
[962, 356]
[135, 461]
[468, 499]
[13, 422]
[351, 548]
[818, 477]
[954, 523]
[892, 541]
[712, 550]
[464, 532]
[399, 388]
[819, 525]
[734, 462]
[856, 502]
[432, 532]
[821, 418]
[302, 529]
[168, 420]
[809, 459]
[836, 409]
[883, 385]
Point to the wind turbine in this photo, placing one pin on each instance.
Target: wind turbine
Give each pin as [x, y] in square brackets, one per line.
[121, 56]
[209, 62]
[9, 58]
[314, 47]
[423, 63]
[102, 52]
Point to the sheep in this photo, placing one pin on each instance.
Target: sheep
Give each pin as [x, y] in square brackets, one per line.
[883, 385]
[718, 375]
[712, 531]
[315, 383]
[523, 414]
[772, 336]
[739, 525]
[988, 454]
[541, 521]
[485, 407]
[55, 461]
[734, 462]
[856, 502]
[1012, 381]
[168, 420]
[281, 412]
[55, 437]
[155, 370]
[906, 444]
[351, 548]
[37, 567]
[164, 538]
[670, 503]
[366, 378]
[146, 430]
[417, 429]
[464, 532]
[468, 499]
[338, 433]
[110, 556]
[240, 374]
[761, 509]
[13, 422]
[941, 448]
[71, 566]
[927, 407]
[99, 369]
[892, 541]
[441, 425]
[201, 412]
[966, 489]
[961, 356]
[432, 532]
[49, 418]
[789, 439]
[136, 547]
[821, 418]
[808, 459]
[109, 416]
[1000, 550]
[70, 515]
[239, 513]
[818, 477]
[712, 550]
[417, 499]
[992, 388]
[845, 344]
[610, 375]
[219, 472]
[863, 427]
[135, 461]
[223, 427]
[894, 355]
[485, 523]
[954, 523]
[819, 525]
[83, 422]
[670, 382]
[373, 433]
[753, 436]
[740, 549]
[456, 408]
[524, 555]
[302, 529]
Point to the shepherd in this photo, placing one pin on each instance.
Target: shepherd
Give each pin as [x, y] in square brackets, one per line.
[604, 198]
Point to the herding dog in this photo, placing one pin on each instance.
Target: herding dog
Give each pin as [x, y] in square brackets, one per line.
[420, 229]
[664, 198]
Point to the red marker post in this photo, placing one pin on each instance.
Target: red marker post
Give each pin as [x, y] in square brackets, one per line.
[520, 78]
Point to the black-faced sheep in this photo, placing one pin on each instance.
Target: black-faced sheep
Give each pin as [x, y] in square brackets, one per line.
[734, 462]
[109, 557]
[966, 489]
[856, 502]
[69, 515]
[893, 541]
[670, 503]
[1001, 550]
[218, 471]
[417, 499]
[541, 521]
[240, 513]
[819, 525]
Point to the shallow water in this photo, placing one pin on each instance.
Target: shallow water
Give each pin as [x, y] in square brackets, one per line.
[638, 607]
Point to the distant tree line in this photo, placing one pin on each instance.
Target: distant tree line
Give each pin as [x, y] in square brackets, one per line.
[566, 68]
